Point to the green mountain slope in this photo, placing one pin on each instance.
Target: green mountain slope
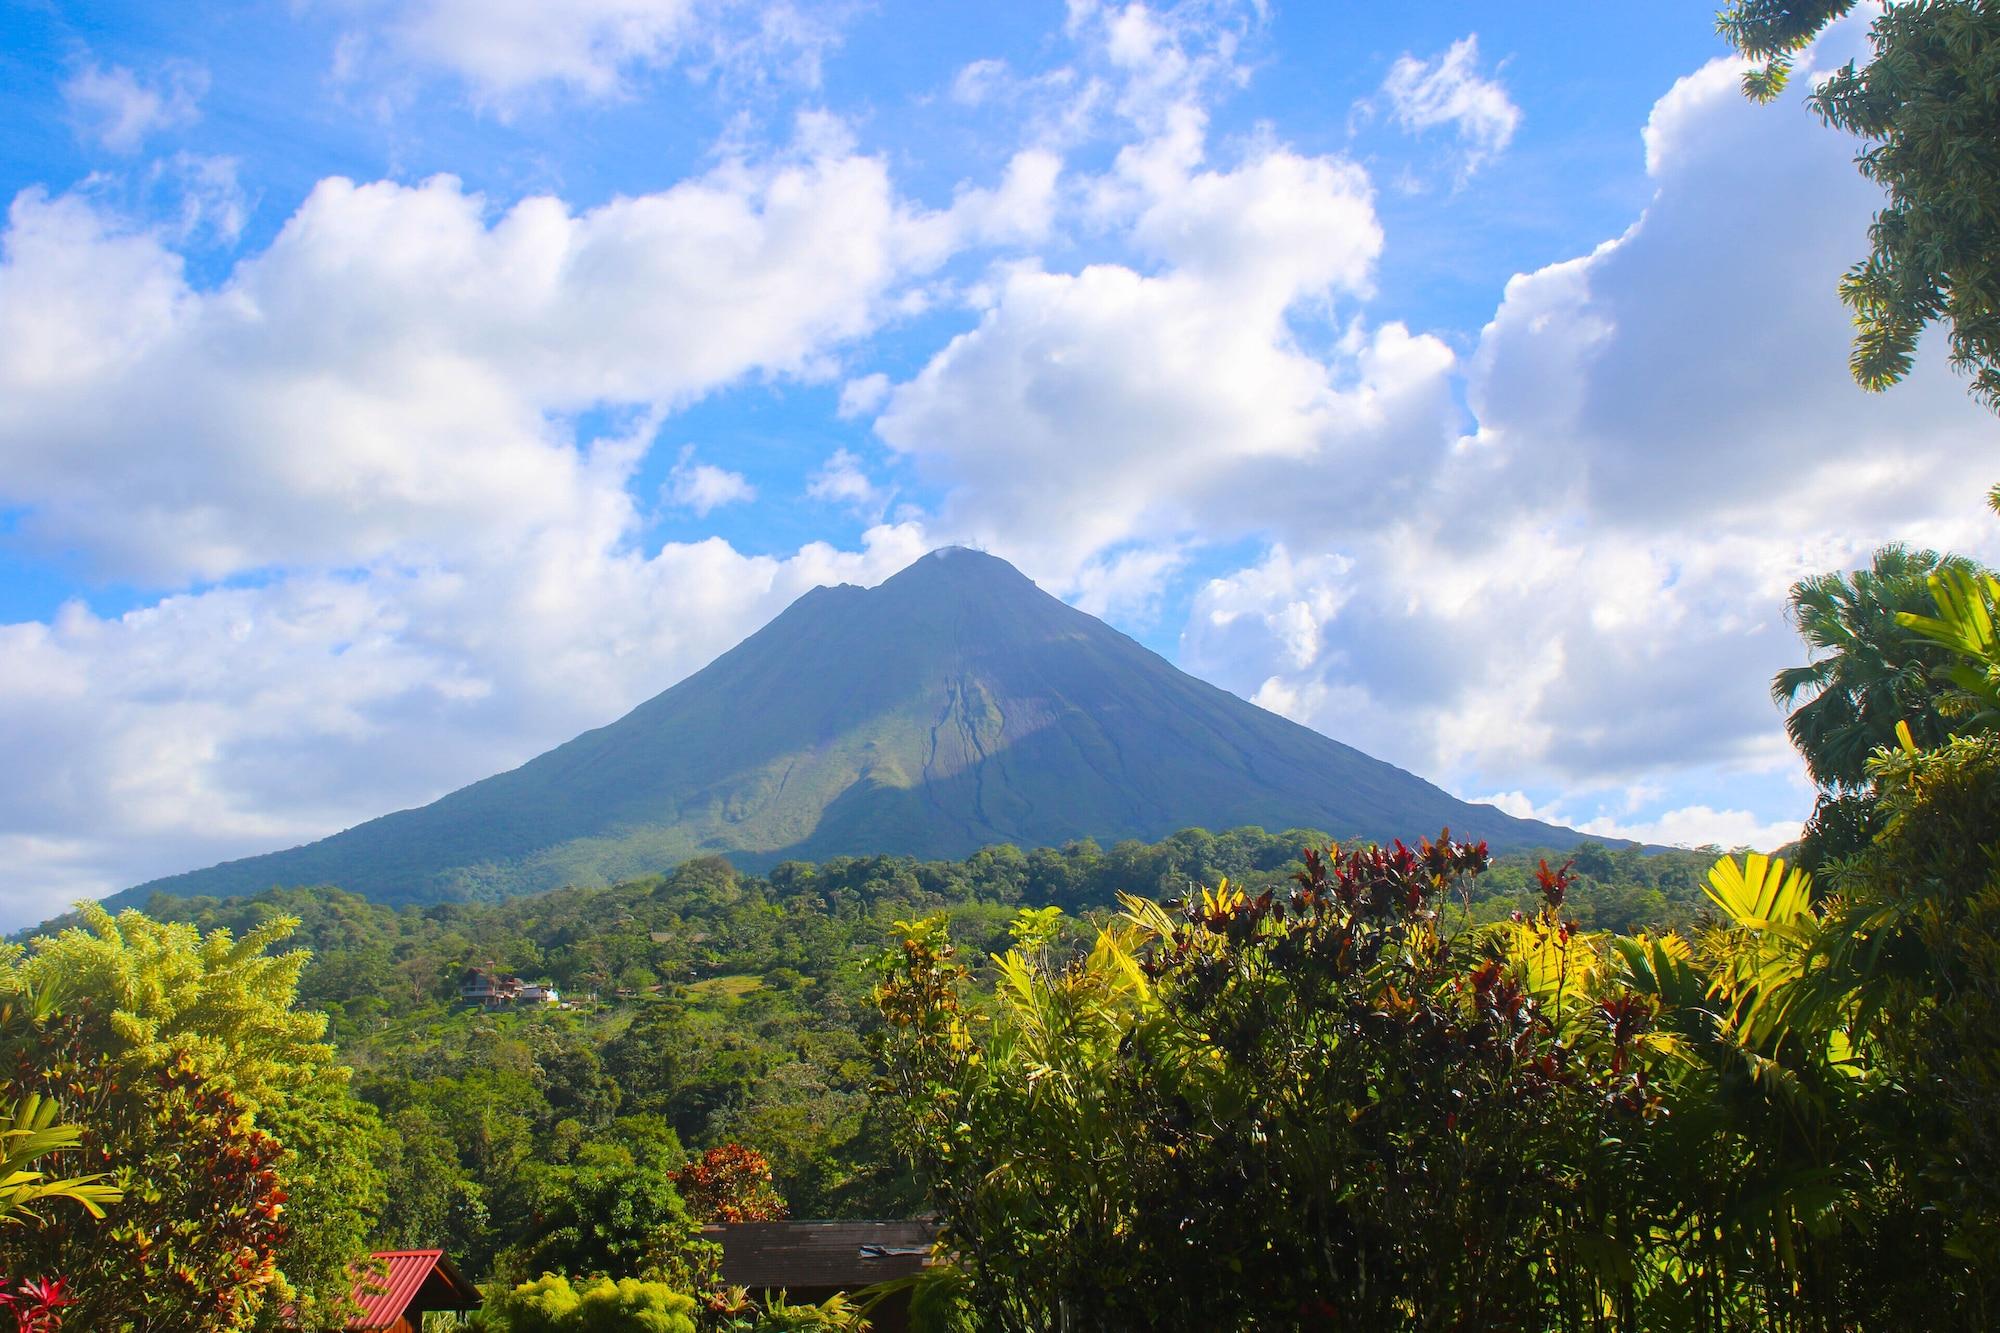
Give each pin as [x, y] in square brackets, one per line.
[954, 706]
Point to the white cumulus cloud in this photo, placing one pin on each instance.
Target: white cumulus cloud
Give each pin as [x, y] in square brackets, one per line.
[1690, 826]
[397, 372]
[1126, 585]
[859, 397]
[1588, 589]
[1089, 407]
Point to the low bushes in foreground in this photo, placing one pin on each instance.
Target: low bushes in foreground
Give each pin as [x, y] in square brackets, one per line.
[1328, 1109]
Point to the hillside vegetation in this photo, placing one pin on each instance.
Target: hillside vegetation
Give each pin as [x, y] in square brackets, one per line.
[722, 1007]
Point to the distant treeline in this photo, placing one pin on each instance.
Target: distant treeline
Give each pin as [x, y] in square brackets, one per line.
[704, 918]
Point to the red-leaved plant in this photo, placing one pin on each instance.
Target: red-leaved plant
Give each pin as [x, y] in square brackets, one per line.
[730, 1183]
[36, 1304]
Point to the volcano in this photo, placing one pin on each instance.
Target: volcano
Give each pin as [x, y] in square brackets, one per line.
[954, 706]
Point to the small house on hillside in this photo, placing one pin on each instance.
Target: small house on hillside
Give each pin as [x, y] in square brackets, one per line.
[480, 987]
[810, 1261]
[498, 990]
[400, 1287]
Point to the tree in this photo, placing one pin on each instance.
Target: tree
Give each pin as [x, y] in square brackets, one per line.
[438, 1203]
[730, 1183]
[1918, 936]
[210, 1018]
[1332, 1109]
[195, 1239]
[1868, 671]
[1968, 606]
[1923, 106]
[613, 1209]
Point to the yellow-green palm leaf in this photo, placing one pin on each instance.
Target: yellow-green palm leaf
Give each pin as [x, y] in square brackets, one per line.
[1760, 894]
[28, 1133]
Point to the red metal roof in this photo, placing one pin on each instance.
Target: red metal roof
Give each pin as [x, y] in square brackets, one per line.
[402, 1276]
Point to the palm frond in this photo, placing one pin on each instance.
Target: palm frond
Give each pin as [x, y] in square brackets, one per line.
[28, 1133]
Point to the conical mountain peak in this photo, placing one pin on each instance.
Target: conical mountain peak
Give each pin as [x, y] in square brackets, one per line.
[961, 560]
[959, 566]
[953, 706]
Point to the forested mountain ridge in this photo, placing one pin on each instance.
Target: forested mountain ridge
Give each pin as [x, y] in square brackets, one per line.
[952, 707]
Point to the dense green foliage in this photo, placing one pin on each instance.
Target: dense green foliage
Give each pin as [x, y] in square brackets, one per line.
[1925, 109]
[553, 1304]
[601, 1305]
[1965, 628]
[713, 1009]
[1582, 1108]
[1378, 1089]
[953, 707]
[1917, 936]
[244, 1165]
[194, 1241]
[1328, 1109]
[611, 1207]
[1867, 672]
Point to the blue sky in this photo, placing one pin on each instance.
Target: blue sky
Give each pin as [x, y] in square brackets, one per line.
[391, 388]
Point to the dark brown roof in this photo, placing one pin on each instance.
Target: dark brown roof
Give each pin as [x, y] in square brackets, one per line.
[840, 1255]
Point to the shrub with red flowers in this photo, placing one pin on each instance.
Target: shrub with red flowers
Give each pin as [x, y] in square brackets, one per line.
[730, 1183]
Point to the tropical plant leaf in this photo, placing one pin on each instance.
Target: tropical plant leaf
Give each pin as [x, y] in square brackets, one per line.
[1760, 894]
